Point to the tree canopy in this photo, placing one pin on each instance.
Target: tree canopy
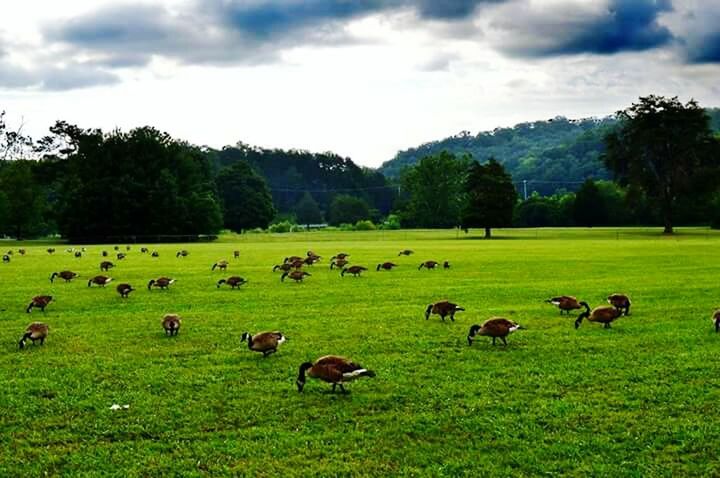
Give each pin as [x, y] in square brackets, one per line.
[307, 211]
[491, 197]
[246, 199]
[666, 149]
[347, 209]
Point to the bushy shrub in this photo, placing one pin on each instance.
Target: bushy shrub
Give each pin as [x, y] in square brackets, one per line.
[297, 228]
[392, 222]
[346, 227]
[365, 225]
[280, 227]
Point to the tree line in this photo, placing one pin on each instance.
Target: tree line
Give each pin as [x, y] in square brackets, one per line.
[90, 185]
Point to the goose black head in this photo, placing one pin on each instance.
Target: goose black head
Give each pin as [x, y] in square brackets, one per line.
[471, 334]
[300, 382]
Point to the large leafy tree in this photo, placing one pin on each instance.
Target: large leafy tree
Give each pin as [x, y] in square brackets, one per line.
[348, 209]
[589, 209]
[307, 211]
[665, 149]
[139, 183]
[491, 197]
[246, 199]
[21, 199]
[434, 190]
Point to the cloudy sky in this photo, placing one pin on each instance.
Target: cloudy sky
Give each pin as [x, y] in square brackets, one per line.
[363, 78]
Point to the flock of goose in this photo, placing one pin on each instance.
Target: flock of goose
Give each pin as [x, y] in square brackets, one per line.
[333, 369]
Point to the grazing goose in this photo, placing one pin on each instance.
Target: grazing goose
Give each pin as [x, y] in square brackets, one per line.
[446, 265]
[283, 267]
[22, 252]
[565, 303]
[297, 276]
[233, 282]
[171, 323]
[182, 253]
[67, 276]
[293, 259]
[443, 309]
[406, 252]
[716, 320]
[386, 266]
[354, 270]
[78, 254]
[102, 281]
[124, 290]
[161, 283]
[144, 250]
[429, 265]
[496, 327]
[341, 256]
[6, 258]
[339, 263]
[236, 254]
[51, 250]
[264, 342]
[121, 256]
[106, 266]
[605, 314]
[39, 301]
[35, 331]
[155, 254]
[222, 265]
[620, 302]
[332, 369]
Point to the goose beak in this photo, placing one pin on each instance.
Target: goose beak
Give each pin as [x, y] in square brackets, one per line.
[300, 385]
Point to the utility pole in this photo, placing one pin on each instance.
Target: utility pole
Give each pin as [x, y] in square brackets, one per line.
[525, 189]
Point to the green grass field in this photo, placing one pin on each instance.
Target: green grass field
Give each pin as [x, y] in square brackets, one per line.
[639, 399]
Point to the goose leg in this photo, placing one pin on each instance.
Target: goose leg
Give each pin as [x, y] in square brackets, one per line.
[342, 389]
[503, 340]
[333, 388]
[493, 340]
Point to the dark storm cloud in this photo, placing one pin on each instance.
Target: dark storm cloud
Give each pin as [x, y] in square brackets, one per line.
[707, 50]
[625, 25]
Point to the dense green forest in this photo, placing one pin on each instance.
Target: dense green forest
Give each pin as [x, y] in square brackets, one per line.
[90, 185]
[553, 155]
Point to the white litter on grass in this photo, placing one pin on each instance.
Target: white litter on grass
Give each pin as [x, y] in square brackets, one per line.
[115, 406]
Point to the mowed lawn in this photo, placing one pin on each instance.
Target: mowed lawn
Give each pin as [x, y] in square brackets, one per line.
[639, 399]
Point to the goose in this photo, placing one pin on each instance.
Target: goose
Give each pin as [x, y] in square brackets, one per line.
[497, 328]
[406, 252]
[341, 256]
[264, 342]
[106, 266]
[67, 276]
[51, 250]
[283, 267]
[236, 254]
[332, 369]
[297, 276]
[354, 270]
[222, 265]
[39, 301]
[100, 280]
[339, 263]
[233, 282]
[386, 266]
[565, 303]
[429, 265]
[35, 331]
[171, 323]
[124, 290]
[182, 253]
[620, 302]
[161, 283]
[605, 314]
[716, 320]
[443, 309]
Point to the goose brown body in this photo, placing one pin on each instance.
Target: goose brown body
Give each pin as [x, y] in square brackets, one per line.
[620, 302]
[160, 283]
[293, 259]
[124, 290]
[297, 276]
[339, 263]
[405, 252]
[565, 303]
[429, 265]
[236, 254]
[332, 369]
[386, 266]
[443, 309]
[35, 331]
[106, 266]
[265, 342]
[497, 328]
[51, 250]
[354, 270]
[171, 323]
[233, 282]
[605, 314]
[100, 280]
[283, 267]
[342, 255]
[222, 265]
[67, 276]
[39, 301]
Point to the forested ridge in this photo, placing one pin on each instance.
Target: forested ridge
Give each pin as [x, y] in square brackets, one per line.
[552, 155]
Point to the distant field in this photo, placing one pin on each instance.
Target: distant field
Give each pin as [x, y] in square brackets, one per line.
[639, 399]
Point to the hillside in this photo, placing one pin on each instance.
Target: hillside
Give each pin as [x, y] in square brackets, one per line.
[554, 154]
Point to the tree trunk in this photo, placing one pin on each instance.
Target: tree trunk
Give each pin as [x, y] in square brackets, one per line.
[668, 226]
[668, 214]
[488, 234]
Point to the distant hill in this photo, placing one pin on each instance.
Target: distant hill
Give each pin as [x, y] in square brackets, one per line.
[555, 154]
